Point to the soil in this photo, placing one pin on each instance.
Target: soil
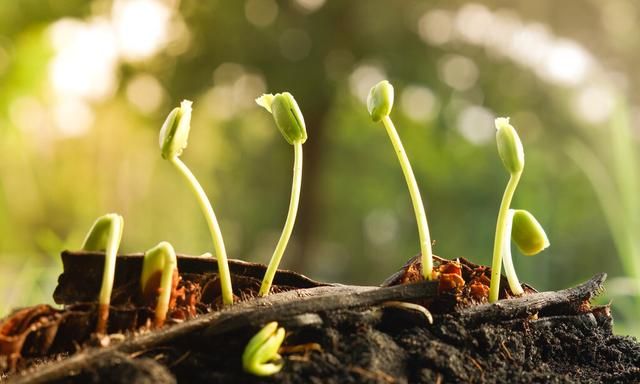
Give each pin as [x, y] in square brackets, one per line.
[335, 333]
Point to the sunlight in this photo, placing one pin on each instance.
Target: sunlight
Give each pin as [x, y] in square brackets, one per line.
[86, 58]
[141, 27]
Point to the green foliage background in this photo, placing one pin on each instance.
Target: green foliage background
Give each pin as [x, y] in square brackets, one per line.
[356, 223]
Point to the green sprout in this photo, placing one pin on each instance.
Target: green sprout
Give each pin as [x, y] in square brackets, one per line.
[105, 236]
[173, 140]
[379, 104]
[512, 156]
[159, 261]
[530, 239]
[290, 122]
[260, 356]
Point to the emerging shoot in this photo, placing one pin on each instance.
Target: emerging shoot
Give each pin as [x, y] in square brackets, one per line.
[379, 104]
[512, 156]
[260, 357]
[528, 235]
[105, 236]
[290, 122]
[173, 140]
[159, 264]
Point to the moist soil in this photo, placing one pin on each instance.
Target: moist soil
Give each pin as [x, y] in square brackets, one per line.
[406, 331]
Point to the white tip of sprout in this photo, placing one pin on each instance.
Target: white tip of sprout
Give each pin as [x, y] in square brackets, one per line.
[501, 122]
[265, 101]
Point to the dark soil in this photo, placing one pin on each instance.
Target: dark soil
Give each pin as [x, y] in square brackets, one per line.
[379, 346]
[337, 334]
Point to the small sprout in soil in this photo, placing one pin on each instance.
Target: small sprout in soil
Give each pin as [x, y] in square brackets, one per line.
[512, 156]
[260, 357]
[379, 104]
[530, 239]
[105, 236]
[173, 140]
[290, 122]
[159, 264]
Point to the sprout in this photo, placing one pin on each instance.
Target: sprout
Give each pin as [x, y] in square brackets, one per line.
[287, 115]
[379, 104]
[105, 236]
[159, 262]
[380, 100]
[173, 140]
[260, 356]
[290, 122]
[530, 238]
[512, 156]
[509, 146]
[174, 134]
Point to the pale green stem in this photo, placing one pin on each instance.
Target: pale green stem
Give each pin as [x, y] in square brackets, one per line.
[111, 252]
[418, 207]
[166, 283]
[509, 269]
[260, 356]
[288, 225]
[496, 263]
[214, 229]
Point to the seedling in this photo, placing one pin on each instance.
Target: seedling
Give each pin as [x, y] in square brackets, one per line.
[159, 263]
[290, 122]
[260, 356]
[512, 156]
[105, 236]
[173, 140]
[379, 104]
[530, 238]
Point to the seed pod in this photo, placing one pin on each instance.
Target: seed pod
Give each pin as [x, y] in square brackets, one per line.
[527, 233]
[380, 100]
[175, 131]
[509, 146]
[287, 115]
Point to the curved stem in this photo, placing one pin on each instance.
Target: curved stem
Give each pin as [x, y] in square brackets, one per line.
[418, 207]
[111, 252]
[106, 235]
[214, 229]
[501, 224]
[166, 285]
[260, 356]
[288, 225]
[509, 269]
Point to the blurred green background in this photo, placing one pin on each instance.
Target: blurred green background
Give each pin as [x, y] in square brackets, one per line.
[86, 85]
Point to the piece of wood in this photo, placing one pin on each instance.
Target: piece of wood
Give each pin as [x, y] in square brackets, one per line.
[566, 301]
[82, 274]
[285, 305]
